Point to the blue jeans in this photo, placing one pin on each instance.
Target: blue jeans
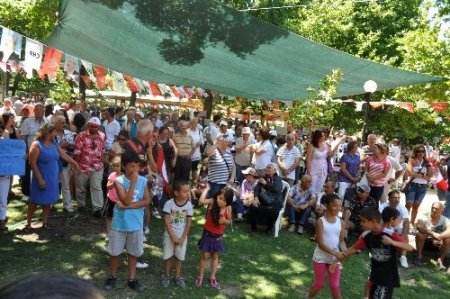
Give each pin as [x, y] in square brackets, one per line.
[415, 193]
[300, 217]
[239, 206]
[239, 175]
[214, 189]
[447, 206]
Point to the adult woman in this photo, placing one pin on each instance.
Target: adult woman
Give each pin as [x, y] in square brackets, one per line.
[222, 169]
[197, 138]
[419, 171]
[316, 159]
[267, 199]
[117, 148]
[169, 149]
[78, 122]
[350, 168]
[376, 170]
[10, 129]
[263, 151]
[44, 156]
[130, 124]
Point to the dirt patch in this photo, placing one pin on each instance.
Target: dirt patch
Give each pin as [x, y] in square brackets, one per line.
[74, 227]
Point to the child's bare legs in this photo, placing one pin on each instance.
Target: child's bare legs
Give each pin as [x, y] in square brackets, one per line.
[132, 261]
[113, 265]
[177, 267]
[203, 262]
[214, 264]
[167, 266]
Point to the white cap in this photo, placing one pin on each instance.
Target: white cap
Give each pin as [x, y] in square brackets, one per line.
[223, 123]
[95, 121]
[141, 114]
[273, 133]
[246, 130]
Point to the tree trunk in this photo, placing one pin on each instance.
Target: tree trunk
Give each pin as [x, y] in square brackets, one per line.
[133, 99]
[4, 87]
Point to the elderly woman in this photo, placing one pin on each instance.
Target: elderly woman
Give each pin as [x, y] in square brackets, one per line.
[350, 168]
[222, 169]
[419, 172]
[44, 156]
[268, 199]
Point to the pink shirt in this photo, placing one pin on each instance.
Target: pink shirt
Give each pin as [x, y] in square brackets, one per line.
[112, 193]
[377, 167]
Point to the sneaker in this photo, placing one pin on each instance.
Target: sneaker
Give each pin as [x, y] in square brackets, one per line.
[146, 230]
[418, 262]
[179, 281]
[156, 214]
[135, 285]
[110, 283]
[140, 265]
[300, 230]
[165, 281]
[404, 262]
[291, 228]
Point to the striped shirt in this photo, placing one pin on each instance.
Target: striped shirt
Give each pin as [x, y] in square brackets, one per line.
[183, 143]
[375, 168]
[288, 157]
[220, 166]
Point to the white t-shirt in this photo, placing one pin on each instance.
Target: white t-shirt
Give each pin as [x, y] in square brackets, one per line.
[289, 157]
[261, 161]
[440, 226]
[197, 137]
[112, 129]
[213, 131]
[178, 215]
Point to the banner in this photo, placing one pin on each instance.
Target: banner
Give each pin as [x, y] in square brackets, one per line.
[33, 57]
[439, 106]
[408, 106]
[12, 155]
[50, 65]
[71, 68]
[10, 50]
[100, 73]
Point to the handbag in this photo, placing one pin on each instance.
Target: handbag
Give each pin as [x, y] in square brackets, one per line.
[405, 186]
[265, 198]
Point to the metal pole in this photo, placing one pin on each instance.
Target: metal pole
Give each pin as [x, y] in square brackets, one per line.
[366, 118]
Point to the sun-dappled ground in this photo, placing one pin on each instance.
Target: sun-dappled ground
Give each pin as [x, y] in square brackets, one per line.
[253, 265]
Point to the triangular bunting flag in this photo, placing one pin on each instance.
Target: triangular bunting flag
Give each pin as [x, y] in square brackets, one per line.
[408, 106]
[439, 106]
[134, 87]
[100, 74]
[175, 91]
[154, 89]
[50, 65]
[422, 105]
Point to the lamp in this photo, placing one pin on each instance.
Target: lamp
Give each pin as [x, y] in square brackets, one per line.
[370, 87]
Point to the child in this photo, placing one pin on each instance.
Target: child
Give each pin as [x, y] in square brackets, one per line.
[178, 214]
[247, 192]
[211, 244]
[391, 219]
[383, 244]
[112, 194]
[201, 181]
[127, 222]
[329, 237]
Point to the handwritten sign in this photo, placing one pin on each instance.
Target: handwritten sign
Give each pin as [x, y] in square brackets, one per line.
[12, 157]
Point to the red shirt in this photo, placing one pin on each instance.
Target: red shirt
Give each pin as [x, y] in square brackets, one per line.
[91, 149]
[211, 227]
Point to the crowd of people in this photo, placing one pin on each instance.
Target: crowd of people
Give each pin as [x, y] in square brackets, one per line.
[125, 165]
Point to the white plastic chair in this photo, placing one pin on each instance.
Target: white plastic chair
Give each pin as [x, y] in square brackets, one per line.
[277, 225]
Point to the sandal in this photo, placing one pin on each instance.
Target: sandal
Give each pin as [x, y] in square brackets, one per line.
[214, 283]
[199, 281]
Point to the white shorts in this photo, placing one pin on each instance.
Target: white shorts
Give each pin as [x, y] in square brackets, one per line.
[170, 249]
[133, 242]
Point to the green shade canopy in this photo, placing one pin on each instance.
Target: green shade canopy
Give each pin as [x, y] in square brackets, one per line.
[206, 44]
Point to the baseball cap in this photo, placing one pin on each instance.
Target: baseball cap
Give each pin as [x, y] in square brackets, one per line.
[94, 121]
[223, 123]
[363, 188]
[273, 133]
[251, 171]
[246, 130]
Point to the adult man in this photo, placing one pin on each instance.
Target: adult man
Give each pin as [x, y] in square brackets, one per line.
[90, 154]
[29, 128]
[118, 115]
[243, 155]
[288, 158]
[433, 232]
[300, 203]
[227, 134]
[395, 150]
[403, 227]
[185, 148]
[7, 103]
[351, 214]
[111, 125]
[222, 169]
[367, 150]
[213, 130]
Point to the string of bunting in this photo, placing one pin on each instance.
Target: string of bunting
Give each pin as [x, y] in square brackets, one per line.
[21, 54]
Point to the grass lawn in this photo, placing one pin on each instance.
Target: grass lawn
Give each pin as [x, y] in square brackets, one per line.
[253, 265]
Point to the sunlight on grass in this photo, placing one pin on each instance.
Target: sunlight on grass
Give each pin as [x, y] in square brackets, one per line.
[260, 286]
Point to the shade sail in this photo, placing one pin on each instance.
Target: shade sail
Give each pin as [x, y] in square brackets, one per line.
[206, 44]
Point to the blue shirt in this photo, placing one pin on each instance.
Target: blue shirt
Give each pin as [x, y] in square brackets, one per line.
[130, 220]
[352, 163]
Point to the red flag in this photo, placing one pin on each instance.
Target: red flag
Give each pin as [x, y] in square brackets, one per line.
[100, 73]
[276, 104]
[188, 92]
[407, 106]
[439, 106]
[154, 88]
[134, 87]
[175, 91]
[86, 80]
[51, 62]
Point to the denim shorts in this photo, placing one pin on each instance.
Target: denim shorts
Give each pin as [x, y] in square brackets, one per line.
[416, 193]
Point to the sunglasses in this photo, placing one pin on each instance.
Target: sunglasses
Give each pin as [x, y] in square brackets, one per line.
[420, 151]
